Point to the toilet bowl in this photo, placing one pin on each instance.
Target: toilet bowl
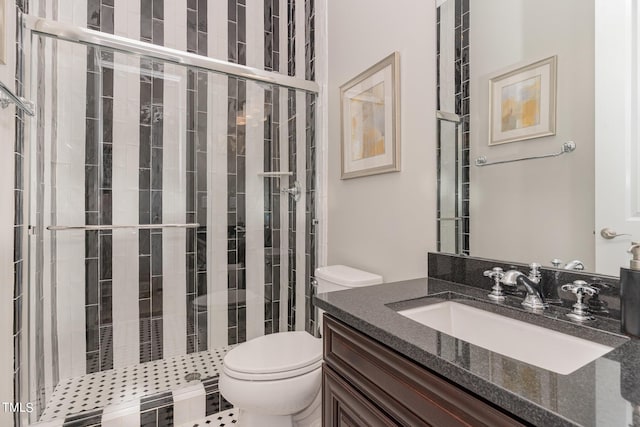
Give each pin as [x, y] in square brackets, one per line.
[275, 380]
[273, 377]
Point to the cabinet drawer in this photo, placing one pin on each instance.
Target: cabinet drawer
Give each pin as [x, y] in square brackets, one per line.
[408, 392]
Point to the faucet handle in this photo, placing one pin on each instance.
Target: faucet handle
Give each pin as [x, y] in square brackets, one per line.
[556, 263]
[495, 272]
[580, 287]
[534, 272]
[496, 291]
[580, 309]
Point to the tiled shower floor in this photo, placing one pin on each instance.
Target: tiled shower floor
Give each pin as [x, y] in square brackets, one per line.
[227, 418]
[101, 389]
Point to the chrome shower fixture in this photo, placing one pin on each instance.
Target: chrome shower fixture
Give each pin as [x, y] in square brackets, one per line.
[295, 191]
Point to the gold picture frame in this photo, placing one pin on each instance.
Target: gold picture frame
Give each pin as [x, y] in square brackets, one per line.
[370, 120]
[522, 103]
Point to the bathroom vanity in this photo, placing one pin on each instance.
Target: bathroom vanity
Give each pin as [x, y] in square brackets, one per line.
[384, 368]
[367, 383]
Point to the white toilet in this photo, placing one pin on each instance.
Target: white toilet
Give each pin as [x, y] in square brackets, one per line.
[275, 380]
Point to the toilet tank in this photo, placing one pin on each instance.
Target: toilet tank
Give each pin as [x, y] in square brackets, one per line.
[339, 277]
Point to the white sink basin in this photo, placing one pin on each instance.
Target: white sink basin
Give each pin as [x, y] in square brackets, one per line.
[535, 345]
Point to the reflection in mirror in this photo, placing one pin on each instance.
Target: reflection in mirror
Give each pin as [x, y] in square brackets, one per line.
[453, 127]
[534, 210]
[449, 194]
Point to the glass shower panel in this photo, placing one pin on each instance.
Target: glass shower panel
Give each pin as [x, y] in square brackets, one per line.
[110, 162]
[160, 233]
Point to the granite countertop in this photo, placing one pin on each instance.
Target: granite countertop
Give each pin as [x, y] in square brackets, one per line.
[605, 392]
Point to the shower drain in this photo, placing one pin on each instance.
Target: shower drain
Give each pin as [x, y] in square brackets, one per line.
[192, 376]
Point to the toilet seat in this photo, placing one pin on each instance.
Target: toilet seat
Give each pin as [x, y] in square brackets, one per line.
[272, 376]
[273, 357]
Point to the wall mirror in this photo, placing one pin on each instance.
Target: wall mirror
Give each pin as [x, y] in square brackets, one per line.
[554, 207]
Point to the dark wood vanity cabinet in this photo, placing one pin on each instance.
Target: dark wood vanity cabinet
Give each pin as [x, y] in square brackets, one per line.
[364, 383]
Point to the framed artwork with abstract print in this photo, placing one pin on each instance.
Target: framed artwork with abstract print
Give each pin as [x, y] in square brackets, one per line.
[523, 103]
[370, 120]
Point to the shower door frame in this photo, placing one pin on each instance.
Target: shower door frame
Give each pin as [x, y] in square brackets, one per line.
[456, 120]
[71, 33]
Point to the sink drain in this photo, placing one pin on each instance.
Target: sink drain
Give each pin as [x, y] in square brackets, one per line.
[192, 376]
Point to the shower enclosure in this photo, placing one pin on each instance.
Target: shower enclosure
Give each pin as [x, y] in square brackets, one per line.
[161, 229]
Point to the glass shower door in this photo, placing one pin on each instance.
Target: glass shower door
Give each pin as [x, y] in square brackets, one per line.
[160, 232]
[113, 172]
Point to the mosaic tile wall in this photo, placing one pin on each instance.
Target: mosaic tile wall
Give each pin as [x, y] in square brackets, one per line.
[272, 164]
[98, 193]
[197, 91]
[236, 175]
[272, 211]
[236, 217]
[151, 280]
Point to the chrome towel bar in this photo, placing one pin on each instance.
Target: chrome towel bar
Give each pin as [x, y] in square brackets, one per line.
[119, 227]
[567, 147]
[7, 97]
[274, 174]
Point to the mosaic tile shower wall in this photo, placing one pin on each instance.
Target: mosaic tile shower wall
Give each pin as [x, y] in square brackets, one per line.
[150, 183]
[98, 193]
[236, 175]
[272, 211]
[197, 181]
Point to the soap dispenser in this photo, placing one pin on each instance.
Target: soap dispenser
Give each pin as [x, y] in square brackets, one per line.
[630, 293]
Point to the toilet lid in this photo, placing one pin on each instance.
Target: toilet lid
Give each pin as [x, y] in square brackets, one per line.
[274, 353]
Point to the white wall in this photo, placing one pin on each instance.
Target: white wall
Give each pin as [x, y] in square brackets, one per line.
[385, 223]
[7, 123]
[541, 209]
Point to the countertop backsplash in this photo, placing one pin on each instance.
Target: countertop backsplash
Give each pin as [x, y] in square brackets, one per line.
[469, 271]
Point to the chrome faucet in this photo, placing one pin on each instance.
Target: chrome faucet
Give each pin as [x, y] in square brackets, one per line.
[530, 283]
[576, 264]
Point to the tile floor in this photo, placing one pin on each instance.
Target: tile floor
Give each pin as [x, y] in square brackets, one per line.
[221, 419]
[101, 389]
